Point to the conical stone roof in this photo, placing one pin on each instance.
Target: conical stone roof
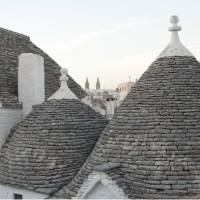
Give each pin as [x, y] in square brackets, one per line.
[154, 138]
[45, 150]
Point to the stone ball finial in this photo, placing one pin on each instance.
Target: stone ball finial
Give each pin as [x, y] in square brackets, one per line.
[175, 47]
[64, 74]
[64, 71]
[174, 19]
[175, 27]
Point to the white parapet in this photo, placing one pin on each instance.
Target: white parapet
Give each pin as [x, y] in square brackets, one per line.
[31, 89]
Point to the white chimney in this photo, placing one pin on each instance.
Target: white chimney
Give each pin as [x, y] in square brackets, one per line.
[30, 81]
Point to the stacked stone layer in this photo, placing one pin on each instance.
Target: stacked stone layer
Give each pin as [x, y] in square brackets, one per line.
[154, 136]
[46, 149]
[11, 46]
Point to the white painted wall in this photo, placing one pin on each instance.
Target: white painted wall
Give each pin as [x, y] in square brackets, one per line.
[99, 185]
[8, 118]
[100, 191]
[31, 89]
[7, 192]
[87, 100]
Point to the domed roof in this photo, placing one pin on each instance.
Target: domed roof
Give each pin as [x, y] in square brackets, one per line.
[12, 45]
[46, 149]
[155, 135]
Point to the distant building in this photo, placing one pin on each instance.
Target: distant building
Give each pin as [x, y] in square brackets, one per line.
[124, 88]
[87, 85]
[104, 101]
[98, 85]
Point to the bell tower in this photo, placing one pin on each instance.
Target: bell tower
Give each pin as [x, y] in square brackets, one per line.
[87, 85]
[98, 85]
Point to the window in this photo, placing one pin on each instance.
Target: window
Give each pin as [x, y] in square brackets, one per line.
[17, 196]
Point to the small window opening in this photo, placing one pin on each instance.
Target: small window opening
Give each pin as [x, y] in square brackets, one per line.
[17, 196]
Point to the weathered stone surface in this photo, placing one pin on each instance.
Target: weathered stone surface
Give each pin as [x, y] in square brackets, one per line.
[154, 135]
[45, 150]
[11, 46]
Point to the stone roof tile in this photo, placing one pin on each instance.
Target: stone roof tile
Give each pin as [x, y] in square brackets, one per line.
[45, 150]
[154, 135]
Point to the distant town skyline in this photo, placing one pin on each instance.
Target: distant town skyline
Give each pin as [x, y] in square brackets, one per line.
[109, 39]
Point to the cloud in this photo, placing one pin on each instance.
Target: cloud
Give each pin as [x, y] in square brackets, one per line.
[80, 40]
[62, 50]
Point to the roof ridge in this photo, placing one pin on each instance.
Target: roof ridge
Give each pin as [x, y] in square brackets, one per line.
[14, 33]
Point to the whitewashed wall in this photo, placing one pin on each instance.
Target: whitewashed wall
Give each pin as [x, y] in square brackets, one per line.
[7, 192]
[99, 185]
[101, 191]
[97, 107]
[8, 118]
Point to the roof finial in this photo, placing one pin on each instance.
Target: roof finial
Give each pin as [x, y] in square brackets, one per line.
[64, 76]
[174, 20]
[63, 92]
[175, 47]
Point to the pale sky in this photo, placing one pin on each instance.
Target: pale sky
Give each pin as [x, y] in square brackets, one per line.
[112, 39]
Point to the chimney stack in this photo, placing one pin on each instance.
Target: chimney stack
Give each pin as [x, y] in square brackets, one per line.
[31, 89]
[98, 85]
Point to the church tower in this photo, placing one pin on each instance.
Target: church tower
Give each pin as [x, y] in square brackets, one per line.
[87, 85]
[98, 86]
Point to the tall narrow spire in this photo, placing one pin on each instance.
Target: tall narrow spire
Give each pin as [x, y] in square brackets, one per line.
[175, 47]
[98, 85]
[63, 92]
[87, 85]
